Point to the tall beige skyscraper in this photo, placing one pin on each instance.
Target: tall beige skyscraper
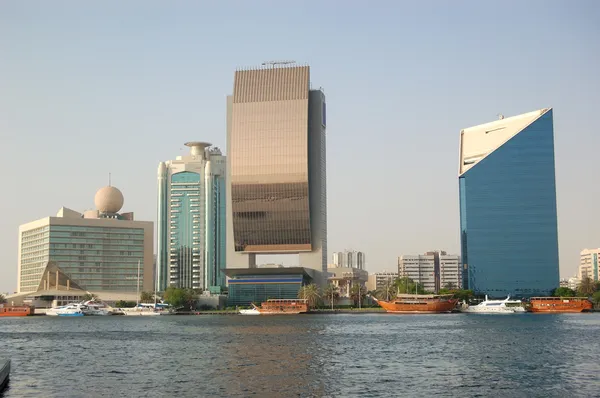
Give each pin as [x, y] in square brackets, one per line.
[277, 197]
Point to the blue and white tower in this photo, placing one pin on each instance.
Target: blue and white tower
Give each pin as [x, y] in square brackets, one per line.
[191, 219]
[508, 220]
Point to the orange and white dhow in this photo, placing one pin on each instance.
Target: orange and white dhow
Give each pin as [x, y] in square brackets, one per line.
[16, 310]
[419, 304]
[560, 304]
[278, 307]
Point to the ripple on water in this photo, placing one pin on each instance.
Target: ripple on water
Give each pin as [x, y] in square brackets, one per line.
[308, 356]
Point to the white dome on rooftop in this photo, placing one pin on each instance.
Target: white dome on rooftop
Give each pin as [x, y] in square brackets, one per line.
[109, 200]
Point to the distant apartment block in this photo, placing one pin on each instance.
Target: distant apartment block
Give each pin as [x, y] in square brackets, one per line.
[380, 280]
[588, 264]
[350, 259]
[572, 282]
[433, 270]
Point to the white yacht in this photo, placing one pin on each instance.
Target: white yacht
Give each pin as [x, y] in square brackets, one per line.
[494, 307]
[93, 308]
[251, 311]
[67, 310]
[141, 310]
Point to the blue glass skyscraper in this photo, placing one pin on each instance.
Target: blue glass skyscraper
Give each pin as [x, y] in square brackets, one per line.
[191, 220]
[509, 237]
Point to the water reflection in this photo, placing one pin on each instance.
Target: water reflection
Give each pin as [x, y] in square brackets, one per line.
[308, 356]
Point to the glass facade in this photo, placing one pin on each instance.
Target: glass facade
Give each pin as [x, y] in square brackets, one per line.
[35, 254]
[269, 160]
[96, 258]
[508, 217]
[191, 220]
[186, 230]
[258, 288]
[215, 232]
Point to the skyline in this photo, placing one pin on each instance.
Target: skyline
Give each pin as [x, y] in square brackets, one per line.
[117, 89]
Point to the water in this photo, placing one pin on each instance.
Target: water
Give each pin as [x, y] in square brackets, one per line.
[374, 355]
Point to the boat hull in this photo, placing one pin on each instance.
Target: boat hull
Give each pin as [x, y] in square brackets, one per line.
[418, 307]
[141, 313]
[560, 305]
[16, 311]
[4, 373]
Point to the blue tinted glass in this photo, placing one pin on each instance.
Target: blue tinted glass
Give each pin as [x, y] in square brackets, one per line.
[509, 236]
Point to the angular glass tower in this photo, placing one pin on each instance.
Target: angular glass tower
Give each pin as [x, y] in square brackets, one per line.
[509, 237]
[191, 220]
[276, 143]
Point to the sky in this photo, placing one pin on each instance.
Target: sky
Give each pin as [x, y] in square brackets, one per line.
[88, 88]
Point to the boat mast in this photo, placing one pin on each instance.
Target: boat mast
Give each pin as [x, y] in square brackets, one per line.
[137, 299]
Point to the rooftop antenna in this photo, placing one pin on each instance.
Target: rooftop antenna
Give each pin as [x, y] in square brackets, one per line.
[273, 63]
[500, 116]
[109, 179]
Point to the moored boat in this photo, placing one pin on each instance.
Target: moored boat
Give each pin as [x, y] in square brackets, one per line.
[16, 310]
[560, 304]
[67, 310]
[495, 307]
[93, 308]
[419, 304]
[278, 307]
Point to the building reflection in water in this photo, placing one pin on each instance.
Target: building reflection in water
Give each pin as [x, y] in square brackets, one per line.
[275, 360]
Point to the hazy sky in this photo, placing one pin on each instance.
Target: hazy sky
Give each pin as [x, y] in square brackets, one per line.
[87, 89]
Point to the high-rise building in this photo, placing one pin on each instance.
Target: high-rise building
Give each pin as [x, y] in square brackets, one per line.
[277, 199]
[191, 219]
[433, 270]
[588, 264]
[99, 250]
[509, 238]
[350, 259]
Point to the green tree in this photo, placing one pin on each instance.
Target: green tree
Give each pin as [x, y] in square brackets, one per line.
[90, 297]
[331, 293]
[2, 299]
[460, 294]
[310, 293]
[178, 297]
[450, 286]
[147, 297]
[358, 294]
[125, 304]
[596, 299]
[587, 286]
[563, 292]
[406, 285]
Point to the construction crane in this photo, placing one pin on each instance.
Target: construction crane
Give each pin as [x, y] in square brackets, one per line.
[273, 63]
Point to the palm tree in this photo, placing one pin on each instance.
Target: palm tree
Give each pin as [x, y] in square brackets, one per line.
[450, 286]
[309, 293]
[358, 293]
[2, 299]
[587, 286]
[147, 297]
[332, 293]
[389, 291]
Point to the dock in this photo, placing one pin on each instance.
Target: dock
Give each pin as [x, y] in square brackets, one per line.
[4, 373]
